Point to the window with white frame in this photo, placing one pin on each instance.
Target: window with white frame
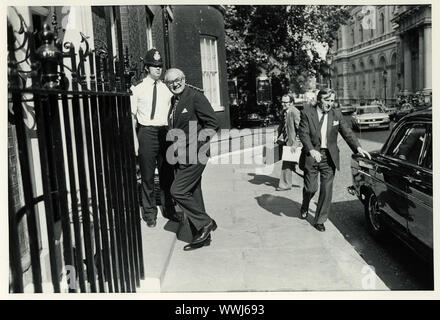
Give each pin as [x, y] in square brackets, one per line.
[210, 70]
[149, 30]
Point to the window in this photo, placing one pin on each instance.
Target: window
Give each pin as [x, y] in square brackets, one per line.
[113, 32]
[408, 143]
[211, 86]
[427, 153]
[148, 30]
[361, 33]
[39, 17]
[382, 23]
[352, 36]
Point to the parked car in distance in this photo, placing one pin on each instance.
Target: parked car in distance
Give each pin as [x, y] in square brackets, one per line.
[395, 186]
[403, 111]
[370, 117]
[253, 119]
[347, 109]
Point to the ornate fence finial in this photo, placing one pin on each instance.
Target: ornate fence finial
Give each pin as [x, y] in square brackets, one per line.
[50, 57]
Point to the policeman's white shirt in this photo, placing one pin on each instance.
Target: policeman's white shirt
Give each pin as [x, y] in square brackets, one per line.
[142, 100]
[323, 128]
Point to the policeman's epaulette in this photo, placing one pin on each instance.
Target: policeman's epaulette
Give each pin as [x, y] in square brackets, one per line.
[193, 87]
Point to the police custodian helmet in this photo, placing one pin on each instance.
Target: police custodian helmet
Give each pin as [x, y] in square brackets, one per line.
[153, 58]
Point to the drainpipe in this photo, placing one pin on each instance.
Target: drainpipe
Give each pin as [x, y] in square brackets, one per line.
[166, 33]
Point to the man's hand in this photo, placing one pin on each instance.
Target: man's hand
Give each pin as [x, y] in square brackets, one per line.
[363, 153]
[316, 155]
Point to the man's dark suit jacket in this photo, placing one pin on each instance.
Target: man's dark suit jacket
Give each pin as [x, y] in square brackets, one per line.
[193, 106]
[309, 135]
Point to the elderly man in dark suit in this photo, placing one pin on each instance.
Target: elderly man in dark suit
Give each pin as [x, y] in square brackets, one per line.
[318, 132]
[192, 121]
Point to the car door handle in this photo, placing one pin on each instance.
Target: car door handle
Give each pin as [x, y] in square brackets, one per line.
[411, 179]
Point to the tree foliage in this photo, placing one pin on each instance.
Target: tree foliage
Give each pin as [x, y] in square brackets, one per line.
[287, 41]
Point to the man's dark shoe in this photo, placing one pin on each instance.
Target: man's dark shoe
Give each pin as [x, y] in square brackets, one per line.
[319, 227]
[304, 214]
[204, 233]
[193, 246]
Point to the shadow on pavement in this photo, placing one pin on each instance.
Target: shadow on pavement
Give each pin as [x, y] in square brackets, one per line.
[267, 180]
[396, 264]
[277, 205]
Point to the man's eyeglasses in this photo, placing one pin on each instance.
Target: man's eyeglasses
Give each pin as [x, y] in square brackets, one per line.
[174, 82]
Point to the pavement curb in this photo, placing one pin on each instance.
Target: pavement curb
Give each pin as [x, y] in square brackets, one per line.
[157, 248]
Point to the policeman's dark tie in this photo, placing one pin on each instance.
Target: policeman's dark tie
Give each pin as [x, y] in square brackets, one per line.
[153, 105]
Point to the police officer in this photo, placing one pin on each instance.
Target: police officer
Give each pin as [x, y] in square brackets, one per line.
[150, 104]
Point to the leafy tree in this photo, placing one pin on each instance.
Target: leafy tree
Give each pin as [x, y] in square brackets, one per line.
[287, 41]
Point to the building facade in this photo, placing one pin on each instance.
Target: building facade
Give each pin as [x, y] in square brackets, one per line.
[191, 38]
[365, 56]
[382, 53]
[414, 58]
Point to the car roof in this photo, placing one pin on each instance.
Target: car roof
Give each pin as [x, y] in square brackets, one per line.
[368, 106]
[423, 114]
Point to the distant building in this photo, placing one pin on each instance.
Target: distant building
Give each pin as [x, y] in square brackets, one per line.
[413, 26]
[366, 47]
[383, 52]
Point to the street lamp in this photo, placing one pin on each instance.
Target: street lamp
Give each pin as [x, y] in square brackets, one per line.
[329, 60]
[384, 75]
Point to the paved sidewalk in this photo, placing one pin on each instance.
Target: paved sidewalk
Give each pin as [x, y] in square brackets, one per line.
[261, 244]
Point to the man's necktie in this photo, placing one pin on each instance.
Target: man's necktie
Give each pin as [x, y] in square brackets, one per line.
[153, 105]
[320, 126]
[175, 101]
[284, 128]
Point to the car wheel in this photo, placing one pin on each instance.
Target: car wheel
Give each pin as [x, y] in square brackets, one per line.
[372, 216]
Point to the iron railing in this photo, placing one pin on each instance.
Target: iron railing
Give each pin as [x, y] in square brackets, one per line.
[87, 163]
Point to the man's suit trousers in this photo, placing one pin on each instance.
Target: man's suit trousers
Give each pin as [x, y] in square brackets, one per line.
[152, 151]
[187, 192]
[326, 169]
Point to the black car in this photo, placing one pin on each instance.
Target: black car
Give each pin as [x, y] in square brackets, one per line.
[395, 186]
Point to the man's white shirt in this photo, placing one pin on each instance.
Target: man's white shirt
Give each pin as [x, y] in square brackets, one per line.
[142, 100]
[323, 128]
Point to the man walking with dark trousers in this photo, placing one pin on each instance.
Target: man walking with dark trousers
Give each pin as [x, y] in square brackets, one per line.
[318, 132]
[192, 121]
[150, 105]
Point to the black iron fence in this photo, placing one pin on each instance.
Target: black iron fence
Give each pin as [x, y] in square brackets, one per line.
[88, 207]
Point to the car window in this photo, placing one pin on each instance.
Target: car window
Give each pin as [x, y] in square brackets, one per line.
[408, 142]
[369, 110]
[427, 154]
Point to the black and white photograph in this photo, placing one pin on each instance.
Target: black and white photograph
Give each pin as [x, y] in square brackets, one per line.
[219, 148]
